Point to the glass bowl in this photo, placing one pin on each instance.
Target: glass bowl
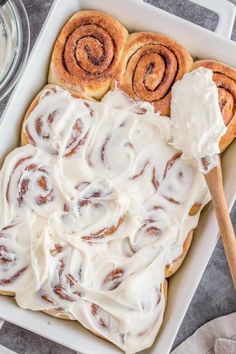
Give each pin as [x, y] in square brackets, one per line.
[14, 43]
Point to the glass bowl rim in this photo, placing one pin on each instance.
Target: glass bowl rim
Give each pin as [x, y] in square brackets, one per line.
[22, 24]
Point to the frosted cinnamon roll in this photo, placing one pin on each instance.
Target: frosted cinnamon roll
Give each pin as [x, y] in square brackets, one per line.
[61, 286]
[31, 183]
[150, 65]
[39, 125]
[225, 79]
[14, 256]
[40, 118]
[87, 52]
[49, 113]
[107, 222]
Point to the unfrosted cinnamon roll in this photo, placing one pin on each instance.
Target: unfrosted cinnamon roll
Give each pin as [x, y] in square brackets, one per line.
[225, 79]
[150, 65]
[87, 52]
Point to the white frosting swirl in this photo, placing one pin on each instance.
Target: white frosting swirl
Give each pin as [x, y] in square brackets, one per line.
[197, 122]
[92, 212]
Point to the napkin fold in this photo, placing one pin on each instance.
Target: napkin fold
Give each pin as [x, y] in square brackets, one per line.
[223, 346]
[215, 337]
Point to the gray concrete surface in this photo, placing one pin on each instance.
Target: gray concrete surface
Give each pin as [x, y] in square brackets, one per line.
[215, 295]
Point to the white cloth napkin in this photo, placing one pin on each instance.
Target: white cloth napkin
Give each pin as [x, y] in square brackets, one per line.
[215, 337]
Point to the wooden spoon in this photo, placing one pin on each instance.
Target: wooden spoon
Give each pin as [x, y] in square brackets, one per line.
[215, 185]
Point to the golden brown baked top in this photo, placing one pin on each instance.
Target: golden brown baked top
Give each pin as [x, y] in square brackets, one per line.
[150, 65]
[87, 52]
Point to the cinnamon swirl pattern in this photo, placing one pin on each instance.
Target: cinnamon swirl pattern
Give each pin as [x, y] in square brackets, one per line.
[94, 211]
[225, 79]
[87, 52]
[14, 255]
[150, 65]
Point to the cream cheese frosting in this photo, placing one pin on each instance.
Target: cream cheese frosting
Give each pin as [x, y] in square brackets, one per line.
[197, 122]
[92, 212]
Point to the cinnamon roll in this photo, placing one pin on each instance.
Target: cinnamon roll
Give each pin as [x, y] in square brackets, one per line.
[30, 184]
[64, 283]
[104, 213]
[225, 79]
[150, 65]
[87, 53]
[39, 124]
[14, 256]
[97, 207]
[171, 269]
[60, 122]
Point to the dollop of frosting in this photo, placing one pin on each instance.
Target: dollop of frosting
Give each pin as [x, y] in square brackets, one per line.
[196, 119]
[93, 210]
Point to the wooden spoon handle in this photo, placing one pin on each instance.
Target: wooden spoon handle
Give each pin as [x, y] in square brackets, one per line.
[215, 184]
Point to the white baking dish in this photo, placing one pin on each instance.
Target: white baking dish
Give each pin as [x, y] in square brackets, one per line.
[135, 15]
